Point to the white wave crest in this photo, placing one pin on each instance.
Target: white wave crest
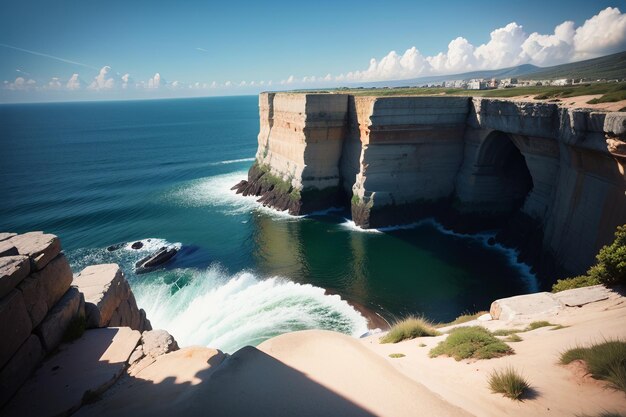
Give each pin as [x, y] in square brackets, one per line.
[229, 312]
[231, 161]
[216, 192]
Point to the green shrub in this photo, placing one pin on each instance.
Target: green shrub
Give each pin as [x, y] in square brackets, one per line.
[574, 282]
[610, 267]
[538, 324]
[509, 383]
[409, 328]
[507, 332]
[606, 361]
[514, 338]
[397, 355]
[471, 342]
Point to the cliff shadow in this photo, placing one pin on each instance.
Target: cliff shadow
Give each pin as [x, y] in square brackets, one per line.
[248, 383]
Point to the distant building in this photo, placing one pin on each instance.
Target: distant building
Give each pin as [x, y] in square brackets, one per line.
[477, 84]
[509, 82]
[562, 81]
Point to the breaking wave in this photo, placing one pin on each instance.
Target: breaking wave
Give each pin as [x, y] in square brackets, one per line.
[229, 312]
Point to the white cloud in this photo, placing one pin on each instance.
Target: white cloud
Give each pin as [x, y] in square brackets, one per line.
[126, 81]
[604, 33]
[74, 83]
[508, 46]
[155, 82]
[289, 80]
[20, 83]
[54, 84]
[102, 81]
[227, 84]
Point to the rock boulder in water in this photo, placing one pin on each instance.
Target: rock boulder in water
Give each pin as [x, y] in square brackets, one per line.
[137, 245]
[155, 260]
[115, 247]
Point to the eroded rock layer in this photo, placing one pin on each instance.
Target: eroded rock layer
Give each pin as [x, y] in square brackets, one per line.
[551, 178]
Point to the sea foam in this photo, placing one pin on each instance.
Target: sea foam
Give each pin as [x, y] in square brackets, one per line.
[228, 312]
[216, 192]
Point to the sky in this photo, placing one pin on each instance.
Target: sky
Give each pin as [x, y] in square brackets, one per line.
[94, 50]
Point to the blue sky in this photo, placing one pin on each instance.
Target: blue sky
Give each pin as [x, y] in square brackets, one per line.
[116, 48]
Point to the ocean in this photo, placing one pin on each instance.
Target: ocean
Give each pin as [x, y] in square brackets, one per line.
[160, 172]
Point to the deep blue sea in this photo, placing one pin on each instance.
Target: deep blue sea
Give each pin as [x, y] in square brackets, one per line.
[160, 171]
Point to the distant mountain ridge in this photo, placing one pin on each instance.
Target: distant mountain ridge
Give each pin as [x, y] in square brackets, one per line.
[606, 67]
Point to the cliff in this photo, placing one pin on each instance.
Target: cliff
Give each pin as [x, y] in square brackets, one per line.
[552, 178]
[43, 306]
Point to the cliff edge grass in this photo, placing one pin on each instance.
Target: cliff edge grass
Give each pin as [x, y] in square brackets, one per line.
[609, 92]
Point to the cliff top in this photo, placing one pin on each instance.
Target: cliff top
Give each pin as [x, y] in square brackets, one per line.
[597, 96]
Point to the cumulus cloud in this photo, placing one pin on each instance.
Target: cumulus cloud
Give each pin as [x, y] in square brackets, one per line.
[20, 83]
[74, 83]
[602, 34]
[155, 82]
[126, 81]
[54, 84]
[102, 81]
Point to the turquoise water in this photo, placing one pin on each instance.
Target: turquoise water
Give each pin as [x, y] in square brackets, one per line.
[101, 173]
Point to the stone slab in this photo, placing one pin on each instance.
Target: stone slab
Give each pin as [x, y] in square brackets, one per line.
[15, 325]
[6, 235]
[20, 367]
[44, 288]
[79, 371]
[528, 305]
[8, 249]
[55, 324]
[40, 247]
[104, 287]
[578, 297]
[34, 300]
[13, 269]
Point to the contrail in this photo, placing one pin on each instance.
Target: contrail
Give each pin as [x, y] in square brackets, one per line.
[47, 56]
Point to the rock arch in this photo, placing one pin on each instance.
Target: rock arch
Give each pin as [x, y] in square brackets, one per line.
[497, 178]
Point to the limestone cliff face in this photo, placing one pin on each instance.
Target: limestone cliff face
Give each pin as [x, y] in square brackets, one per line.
[551, 178]
[410, 151]
[300, 144]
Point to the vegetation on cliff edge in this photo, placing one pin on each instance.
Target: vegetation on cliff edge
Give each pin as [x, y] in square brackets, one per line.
[508, 383]
[409, 328]
[610, 267]
[471, 342]
[605, 361]
[611, 92]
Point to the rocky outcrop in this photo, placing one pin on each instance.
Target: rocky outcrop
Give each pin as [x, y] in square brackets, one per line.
[40, 300]
[109, 301]
[300, 143]
[37, 304]
[153, 344]
[552, 178]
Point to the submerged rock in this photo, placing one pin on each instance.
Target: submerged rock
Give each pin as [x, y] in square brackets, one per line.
[151, 262]
[115, 247]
